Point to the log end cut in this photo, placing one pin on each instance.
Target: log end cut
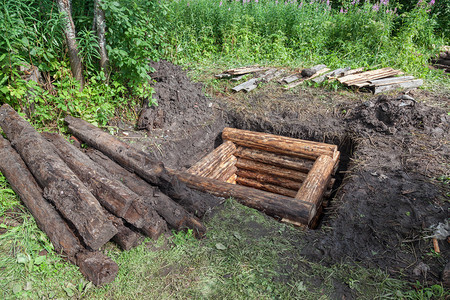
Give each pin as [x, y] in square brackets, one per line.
[96, 267]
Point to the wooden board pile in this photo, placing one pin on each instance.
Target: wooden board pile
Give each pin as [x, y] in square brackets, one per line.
[377, 81]
[443, 61]
[285, 177]
[83, 200]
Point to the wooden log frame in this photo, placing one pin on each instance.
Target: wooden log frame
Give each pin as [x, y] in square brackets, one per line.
[278, 144]
[272, 204]
[209, 163]
[95, 266]
[174, 214]
[313, 188]
[284, 161]
[61, 186]
[154, 172]
[280, 174]
[112, 194]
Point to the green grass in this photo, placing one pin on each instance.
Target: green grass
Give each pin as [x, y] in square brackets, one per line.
[245, 255]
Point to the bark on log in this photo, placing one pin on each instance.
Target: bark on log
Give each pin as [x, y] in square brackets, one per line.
[100, 25]
[272, 204]
[126, 238]
[278, 144]
[209, 163]
[315, 184]
[61, 186]
[284, 161]
[112, 194]
[174, 214]
[247, 164]
[137, 161]
[48, 219]
[65, 7]
[266, 187]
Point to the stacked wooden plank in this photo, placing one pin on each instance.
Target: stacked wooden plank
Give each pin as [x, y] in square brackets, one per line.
[443, 60]
[83, 201]
[239, 72]
[284, 177]
[380, 80]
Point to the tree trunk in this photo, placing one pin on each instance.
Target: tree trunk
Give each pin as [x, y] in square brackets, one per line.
[95, 266]
[61, 186]
[137, 161]
[112, 194]
[65, 8]
[174, 214]
[100, 25]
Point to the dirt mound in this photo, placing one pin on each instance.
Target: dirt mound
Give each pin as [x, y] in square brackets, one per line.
[389, 115]
[184, 125]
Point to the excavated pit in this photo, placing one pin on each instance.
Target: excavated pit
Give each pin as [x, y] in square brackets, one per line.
[386, 199]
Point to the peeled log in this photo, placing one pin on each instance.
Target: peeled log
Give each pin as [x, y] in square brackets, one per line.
[137, 161]
[111, 193]
[49, 221]
[267, 178]
[61, 186]
[224, 168]
[269, 169]
[271, 204]
[266, 187]
[295, 163]
[315, 184]
[209, 163]
[278, 144]
[174, 214]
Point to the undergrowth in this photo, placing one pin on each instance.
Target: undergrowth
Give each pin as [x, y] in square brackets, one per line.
[245, 255]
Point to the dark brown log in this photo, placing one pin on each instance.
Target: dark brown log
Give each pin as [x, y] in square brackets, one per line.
[111, 193]
[174, 214]
[251, 165]
[126, 238]
[97, 267]
[137, 161]
[267, 178]
[209, 163]
[271, 204]
[266, 187]
[278, 144]
[48, 220]
[61, 186]
[289, 162]
[316, 182]
[65, 8]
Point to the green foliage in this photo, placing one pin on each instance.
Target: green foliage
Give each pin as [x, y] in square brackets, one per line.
[134, 39]
[355, 34]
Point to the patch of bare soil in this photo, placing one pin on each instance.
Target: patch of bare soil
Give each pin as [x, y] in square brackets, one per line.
[392, 148]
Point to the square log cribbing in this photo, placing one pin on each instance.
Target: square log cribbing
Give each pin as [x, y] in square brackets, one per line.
[285, 177]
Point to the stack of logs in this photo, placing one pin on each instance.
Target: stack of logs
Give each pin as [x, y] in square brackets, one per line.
[284, 177]
[443, 60]
[82, 200]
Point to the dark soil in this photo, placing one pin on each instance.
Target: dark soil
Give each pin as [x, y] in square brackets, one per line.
[391, 147]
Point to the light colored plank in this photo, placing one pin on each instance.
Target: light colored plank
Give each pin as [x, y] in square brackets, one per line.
[405, 85]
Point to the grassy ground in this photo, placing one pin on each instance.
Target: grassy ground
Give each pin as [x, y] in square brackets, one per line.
[245, 255]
